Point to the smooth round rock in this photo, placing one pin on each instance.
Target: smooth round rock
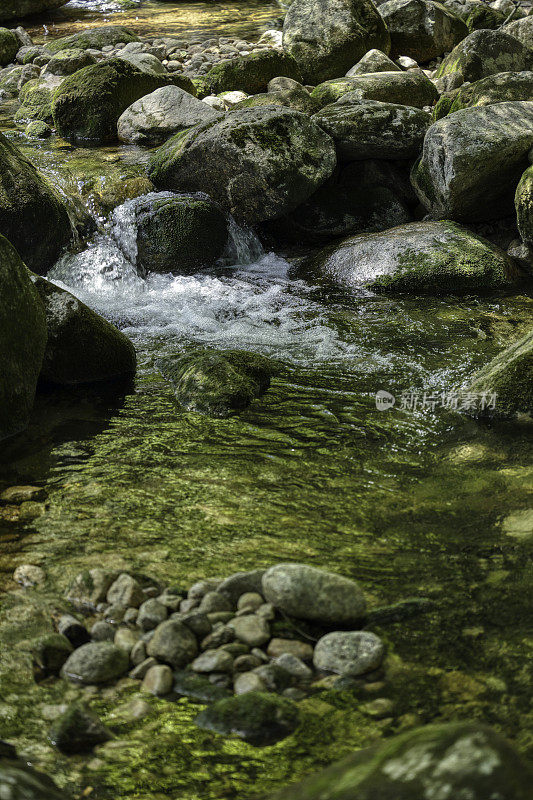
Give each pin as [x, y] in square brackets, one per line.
[96, 662]
[158, 680]
[251, 629]
[173, 643]
[349, 652]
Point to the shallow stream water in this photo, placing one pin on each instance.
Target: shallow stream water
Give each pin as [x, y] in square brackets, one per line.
[423, 502]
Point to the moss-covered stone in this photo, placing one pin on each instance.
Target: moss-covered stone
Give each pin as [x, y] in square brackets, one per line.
[472, 161]
[68, 61]
[50, 652]
[327, 37]
[32, 216]
[297, 98]
[88, 104]
[252, 73]
[178, 233]
[485, 53]
[407, 88]
[12, 79]
[198, 687]
[421, 29]
[483, 17]
[94, 39]
[258, 163]
[260, 719]
[215, 382]
[22, 341]
[77, 730]
[499, 88]
[9, 46]
[451, 760]
[36, 100]
[524, 206]
[420, 258]
[82, 346]
[510, 377]
[38, 130]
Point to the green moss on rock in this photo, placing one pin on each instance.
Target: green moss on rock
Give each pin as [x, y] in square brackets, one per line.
[260, 719]
[252, 73]
[524, 206]
[485, 53]
[407, 88]
[499, 88]
[9, 46]
[93, 39]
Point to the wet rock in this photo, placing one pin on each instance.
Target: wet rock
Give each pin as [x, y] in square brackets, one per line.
[166, 232]
[422, 257]
[274, 676]
[294, 666]
[421, 29]
[405, 88]
[260, 719]
[173, 643]
[258, 163]
[326, 37]
[28, 575]
[50, 652]
[485, 53]
[73, 629]
[349, 652]
[126, 639]
[314, 594]
[158, 680]
[198, 687]
[217, 383]
[252, 73]
[278, 647]
[32, 216]
[373, 61]
[472, 161]
[524, 207]
[213, 661]
[251, 629]
[372, 129]
[510, 377]
[449, 760]
[78, 731]
[91, 587]
[38, 130]
[19, 781]
[9, 46]
[248, 682]
[151, 614]
[240, 583]
[82, 346]
[161, 114]
[95, 663]
[140, 670]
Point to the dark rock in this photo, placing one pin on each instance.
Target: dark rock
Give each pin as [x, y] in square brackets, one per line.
[73, 629]
[421, 29]
[77, 731]
[198, 687]
[260, 719]
[50, 653]
[252, 73]
[240, 583]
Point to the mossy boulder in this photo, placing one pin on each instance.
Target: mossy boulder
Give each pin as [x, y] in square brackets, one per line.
[327, 37]
[373, 61]
[372, 129]
[13, 79]
[96, 663]
[88, 104]
[217, 382]
[482, 17]
[22, 341]
[32, 216]
[36, 100]
[296, 97]
[524, 206]
[38, 130]
[421, 29]
[472, 161]
[419, 258]
[9, 46]
[258, 163]
[168, 232]
[16, 9]
[68, 61]
[260, 719]
[521, 29]
[510, 377]
[485, 53]
[499, 88]
[82, 346]
[252, 73]
[406, 88]
[93, 39]
[451, 760]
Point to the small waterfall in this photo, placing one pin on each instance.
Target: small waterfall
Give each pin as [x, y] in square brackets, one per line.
[243, 246]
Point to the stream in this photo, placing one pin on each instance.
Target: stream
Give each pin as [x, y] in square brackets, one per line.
[412, 501]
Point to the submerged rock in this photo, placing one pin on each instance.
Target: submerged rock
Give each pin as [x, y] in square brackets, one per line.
[421, 29]
[22, 340]
[258, 163]
[314, 594]
[326, 37]
[472, 161]
[95, 663]
[32, 216]
[421, 257]
[458, 759]
[167, 232]
[78, 731]
[510, 377]
[19, 781]
[82, 346]
[217, 382]
[50, 652]
[198, 687]
[349, 652]
[260, 719]
[485, 53]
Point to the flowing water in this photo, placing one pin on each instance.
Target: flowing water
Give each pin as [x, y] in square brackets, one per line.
[410, 502]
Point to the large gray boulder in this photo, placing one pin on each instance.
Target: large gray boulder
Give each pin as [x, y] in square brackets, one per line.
[499, 88]
[33, 217]
[446, 761]
[411, 88]
[472, 161]
[82, 346]
[326, 37]
[521, 29]
[95, 663]
[22, 341]
[258, 163]
[161, 114]
[16, 9]
[371, 129]
[421, 29]
[373, 61]
[421, 257]
[313, 594]
[167, 232]
[483, 53]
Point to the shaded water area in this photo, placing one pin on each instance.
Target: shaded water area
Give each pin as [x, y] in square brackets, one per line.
[410, 502]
